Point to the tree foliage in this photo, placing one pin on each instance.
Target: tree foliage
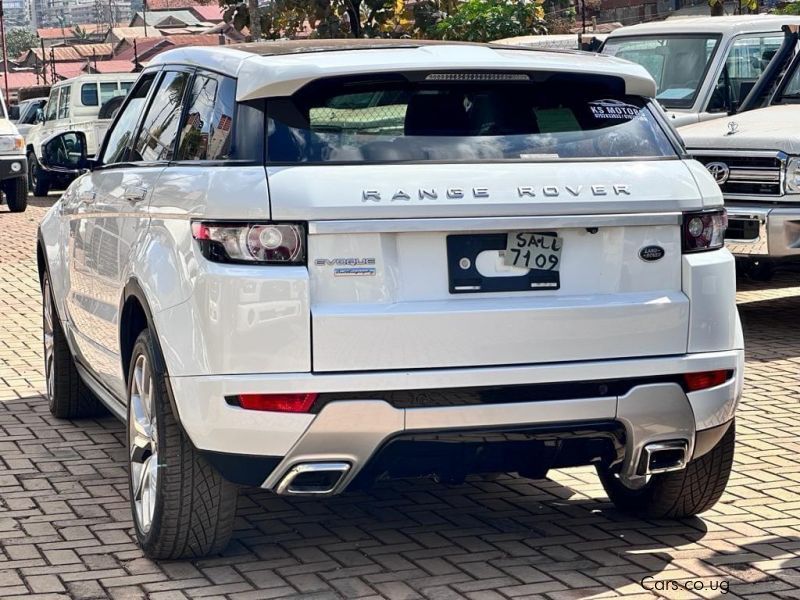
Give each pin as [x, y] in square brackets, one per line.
[18, 40]
[487, 20]
[448, 19]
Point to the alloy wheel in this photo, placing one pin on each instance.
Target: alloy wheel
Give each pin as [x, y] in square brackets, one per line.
[48, 329]
[143, 443]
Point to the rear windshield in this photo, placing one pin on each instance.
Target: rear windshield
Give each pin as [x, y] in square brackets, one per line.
[535, 117]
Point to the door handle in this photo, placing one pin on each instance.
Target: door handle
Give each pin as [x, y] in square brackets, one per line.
[135, 193]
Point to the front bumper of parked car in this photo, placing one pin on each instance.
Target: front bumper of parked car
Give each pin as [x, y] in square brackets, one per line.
[604, 412]
[13, 166]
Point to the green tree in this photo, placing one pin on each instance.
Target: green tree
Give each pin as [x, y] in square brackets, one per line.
[18, 40]
[79, 33]
[488, 20]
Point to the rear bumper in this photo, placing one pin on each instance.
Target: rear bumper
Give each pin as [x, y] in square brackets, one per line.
[351, 432]
[763, 231]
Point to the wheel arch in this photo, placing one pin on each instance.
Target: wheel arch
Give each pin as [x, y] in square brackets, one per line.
[135, 315]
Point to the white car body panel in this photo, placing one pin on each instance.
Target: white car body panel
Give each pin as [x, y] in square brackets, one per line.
[761, 129]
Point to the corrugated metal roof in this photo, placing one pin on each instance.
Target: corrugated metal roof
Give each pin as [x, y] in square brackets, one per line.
[68, 70]
[129, 33]
[112, 66]
[154, 18]
[142, 45]
[59, 53]
[90, 50]
[49, 33]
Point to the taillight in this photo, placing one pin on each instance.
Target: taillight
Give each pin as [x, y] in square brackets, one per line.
[704, 230]
[705, 379]
[294, 403]
[254, 243]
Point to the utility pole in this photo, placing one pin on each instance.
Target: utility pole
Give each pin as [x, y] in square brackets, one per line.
[44, 64]
[144, 16]
[583, 14]
[255, 20]
[5, 50]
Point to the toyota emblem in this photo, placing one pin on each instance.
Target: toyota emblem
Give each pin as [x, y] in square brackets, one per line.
[719, 171]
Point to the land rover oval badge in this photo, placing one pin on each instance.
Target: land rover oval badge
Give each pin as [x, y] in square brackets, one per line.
[651, 253]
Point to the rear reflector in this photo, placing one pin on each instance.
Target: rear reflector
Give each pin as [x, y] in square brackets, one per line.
[294, 403]
[705, 379]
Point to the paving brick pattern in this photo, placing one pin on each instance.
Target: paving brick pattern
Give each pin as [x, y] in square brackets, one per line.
[65, 528]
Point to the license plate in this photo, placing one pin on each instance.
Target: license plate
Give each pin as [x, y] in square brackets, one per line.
[533, 250]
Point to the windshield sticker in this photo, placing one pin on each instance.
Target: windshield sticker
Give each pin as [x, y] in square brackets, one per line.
[614, 109]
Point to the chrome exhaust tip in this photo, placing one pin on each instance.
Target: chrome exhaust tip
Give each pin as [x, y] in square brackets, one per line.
[663, 457]
[312, 479]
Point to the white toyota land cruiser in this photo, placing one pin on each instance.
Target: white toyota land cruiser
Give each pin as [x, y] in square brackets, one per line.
[311, 267]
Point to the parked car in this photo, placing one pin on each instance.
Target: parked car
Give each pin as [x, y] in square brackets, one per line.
[704, 67]
[73, 105]
[29, 114]
[755, 159]
[507, 261]
[13, 185]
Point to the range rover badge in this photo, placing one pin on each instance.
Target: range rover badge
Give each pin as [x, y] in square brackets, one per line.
[651, 253]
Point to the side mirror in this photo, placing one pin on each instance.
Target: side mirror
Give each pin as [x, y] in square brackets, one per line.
[65, 152]
[39, 116]
[13, 113]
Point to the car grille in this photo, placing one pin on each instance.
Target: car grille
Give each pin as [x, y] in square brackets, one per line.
[748, 175]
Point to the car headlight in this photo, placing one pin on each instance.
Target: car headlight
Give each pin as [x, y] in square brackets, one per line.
[792, 179]
[11, 144]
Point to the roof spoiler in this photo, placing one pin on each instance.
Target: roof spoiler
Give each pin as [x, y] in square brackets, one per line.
[766, 83]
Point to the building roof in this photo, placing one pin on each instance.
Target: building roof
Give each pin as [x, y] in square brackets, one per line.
[129, 33]
[21, 79]
[110, 66]
[68, 70]
[50, 33]
[715, 25]
[166, 17]
[59, 54]
[269, 69]
[142, 45]
[90, 50]
[211, 13]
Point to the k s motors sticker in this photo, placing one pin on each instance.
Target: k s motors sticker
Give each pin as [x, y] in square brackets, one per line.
[614, 109]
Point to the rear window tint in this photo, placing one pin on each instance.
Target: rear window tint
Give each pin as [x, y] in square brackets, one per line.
[540, 118]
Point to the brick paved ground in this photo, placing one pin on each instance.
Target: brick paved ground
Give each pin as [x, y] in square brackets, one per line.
[65, 527]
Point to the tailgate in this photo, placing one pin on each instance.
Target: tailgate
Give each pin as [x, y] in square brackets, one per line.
[423, 282]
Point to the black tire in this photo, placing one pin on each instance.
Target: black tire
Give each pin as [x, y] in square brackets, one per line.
[194, 507]
[67, 395]
[16, 191]
[679, 494]
[38, 181]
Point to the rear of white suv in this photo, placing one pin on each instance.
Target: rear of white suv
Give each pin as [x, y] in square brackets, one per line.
[330, 268]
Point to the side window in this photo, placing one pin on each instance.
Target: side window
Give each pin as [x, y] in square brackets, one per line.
[125, 86]
[747, 59]
[160, 126]
[89, 94]
[108, 89]
[207, 130]
[121, 134]
[52, 105]
[63, 102]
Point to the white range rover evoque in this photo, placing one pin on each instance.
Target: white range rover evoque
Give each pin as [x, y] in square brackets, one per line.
[308, 267]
